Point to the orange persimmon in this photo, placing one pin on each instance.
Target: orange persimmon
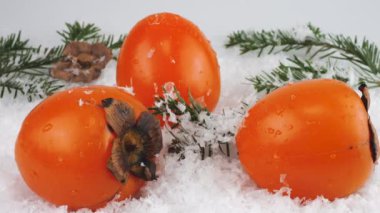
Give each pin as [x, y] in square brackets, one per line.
[312, 136]
[164, 48]
[64, 145]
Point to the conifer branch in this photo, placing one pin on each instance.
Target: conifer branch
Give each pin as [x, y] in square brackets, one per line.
[363, 55]
[294, 70]
[89, 33]
[24, 69]
[193, 127]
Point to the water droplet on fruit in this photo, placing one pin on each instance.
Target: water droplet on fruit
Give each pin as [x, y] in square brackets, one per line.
[60, 159]
[280, 112]
[135, 61]
[278, 132]
[88, 92]
[270, 130]
[91, 122]
[47, 127]
[275, 156]
[172, 60]
[290, 127]
[293, 97]
[309, 122]
[282, 178]
[92, 101]
[74, 192]
[333, 156]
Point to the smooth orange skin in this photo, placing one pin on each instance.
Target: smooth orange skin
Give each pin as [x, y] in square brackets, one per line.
[164, 48]
[314, 134]
[62, 149]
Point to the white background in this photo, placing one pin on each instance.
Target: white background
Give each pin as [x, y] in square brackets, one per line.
[39, 19]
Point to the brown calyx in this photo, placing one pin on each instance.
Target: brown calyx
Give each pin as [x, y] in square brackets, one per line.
[137, 142]
[81, 62]
[373, 138]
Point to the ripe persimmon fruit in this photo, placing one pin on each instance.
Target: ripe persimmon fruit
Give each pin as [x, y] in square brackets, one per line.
[314, 137]
[65, 147]
[163, 48]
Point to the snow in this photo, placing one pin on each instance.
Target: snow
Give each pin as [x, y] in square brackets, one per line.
[216, 184]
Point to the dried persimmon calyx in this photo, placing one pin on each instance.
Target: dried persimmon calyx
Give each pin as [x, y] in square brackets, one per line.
[117, 164]
[81, 62]
[137, 142]
[374, 141]
[373, 138]
[146, 170]
[120, 116]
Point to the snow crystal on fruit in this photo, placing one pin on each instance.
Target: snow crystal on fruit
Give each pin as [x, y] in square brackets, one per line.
[150, 53]
[80, 102]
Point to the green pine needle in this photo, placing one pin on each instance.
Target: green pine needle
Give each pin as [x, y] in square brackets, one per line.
[164, 105]
[363, 55]
[79, 32]
[89, 33]
[295, 70]
[24, 69]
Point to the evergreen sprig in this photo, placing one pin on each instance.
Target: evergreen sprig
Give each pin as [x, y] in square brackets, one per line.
[13, 44]
[295, 70]
[193, 127]
[173, 103]
[23, 68]
[364, 55]
[171, 106]
[89, 33]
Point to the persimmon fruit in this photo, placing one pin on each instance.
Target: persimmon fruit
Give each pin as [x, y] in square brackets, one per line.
[65, 144]
[312, 136]
[163, 48]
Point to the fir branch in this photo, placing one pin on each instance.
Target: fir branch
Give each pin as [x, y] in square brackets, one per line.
[111, 42]
[28, 85]
[24, 68]
[14, 44]
[193, 127]
[270, 40]
[79, 32]
[295, 70]
[89, 33]
[172, 104]
[33, 62]
[364, 55]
